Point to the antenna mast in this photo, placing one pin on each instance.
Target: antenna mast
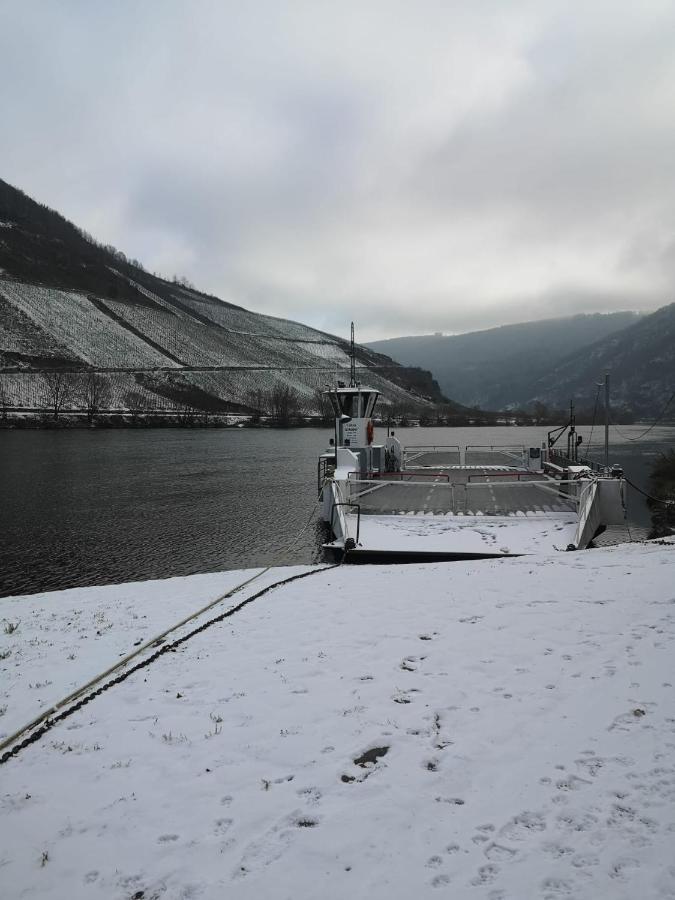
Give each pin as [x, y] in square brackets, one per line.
[352, 357]
[606, 423]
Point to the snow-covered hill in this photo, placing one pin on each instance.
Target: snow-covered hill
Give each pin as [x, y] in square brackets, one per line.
[67, 303]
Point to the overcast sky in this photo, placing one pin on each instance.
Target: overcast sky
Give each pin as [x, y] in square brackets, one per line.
[416, 166]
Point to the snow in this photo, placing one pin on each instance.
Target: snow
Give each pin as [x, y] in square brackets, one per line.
[50, 322]
[417, 532]
[73, 321]
[495, 729]
[86, 630]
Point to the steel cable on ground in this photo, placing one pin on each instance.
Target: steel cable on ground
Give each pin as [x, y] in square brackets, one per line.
[48, 723]
[72, 698]
[647, 430]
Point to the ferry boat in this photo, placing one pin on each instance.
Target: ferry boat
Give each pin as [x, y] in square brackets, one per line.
[387, 502]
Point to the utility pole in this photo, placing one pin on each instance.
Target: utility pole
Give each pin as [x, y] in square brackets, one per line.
[606, 423]
[571, 435]
[352, 380]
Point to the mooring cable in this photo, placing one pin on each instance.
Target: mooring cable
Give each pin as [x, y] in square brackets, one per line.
[649, 496]
[42, 724]
[53, 711]
[634, 440]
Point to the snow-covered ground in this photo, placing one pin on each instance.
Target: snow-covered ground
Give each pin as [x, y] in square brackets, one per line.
[495, 729]
[60, 640]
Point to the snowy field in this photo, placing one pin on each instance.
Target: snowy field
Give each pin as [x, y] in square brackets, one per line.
[496, 729]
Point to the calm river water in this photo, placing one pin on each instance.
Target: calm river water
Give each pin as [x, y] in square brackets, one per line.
[99, 507]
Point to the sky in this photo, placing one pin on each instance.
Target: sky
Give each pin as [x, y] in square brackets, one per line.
[416, 167]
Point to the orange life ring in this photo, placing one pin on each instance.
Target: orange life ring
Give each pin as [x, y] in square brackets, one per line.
[370, 431]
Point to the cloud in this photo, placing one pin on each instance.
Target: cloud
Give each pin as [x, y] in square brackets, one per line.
[438, 166]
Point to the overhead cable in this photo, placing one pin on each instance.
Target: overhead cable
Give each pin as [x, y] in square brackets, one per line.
[647, 430]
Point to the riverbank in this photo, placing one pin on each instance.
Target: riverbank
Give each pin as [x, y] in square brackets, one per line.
[493, 729]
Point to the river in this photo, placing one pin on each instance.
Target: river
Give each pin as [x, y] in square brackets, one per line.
[98, 506]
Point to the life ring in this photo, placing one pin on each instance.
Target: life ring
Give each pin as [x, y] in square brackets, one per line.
[370, 431]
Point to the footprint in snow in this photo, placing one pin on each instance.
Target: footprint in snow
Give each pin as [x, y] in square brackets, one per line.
[622, 867]
[221, 826]
[523, 826]
[272, 844]
[486, 875]
[556, 887]
[402, 697]
[572, 821]
[499, 852]
[584, 861]
[557, 851]
[572, 783]
[368, 760]
[310, 794]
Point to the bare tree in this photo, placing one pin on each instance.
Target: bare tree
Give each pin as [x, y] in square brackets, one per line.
[257, 400]
[323, 407]
[136, 403]
[400, 412]
[182, 281]
[284, 404]
[58, 390]
[187, 412]
[95, 394]
[4, 398]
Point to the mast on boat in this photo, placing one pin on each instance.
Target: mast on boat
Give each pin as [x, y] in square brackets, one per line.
[606, 423]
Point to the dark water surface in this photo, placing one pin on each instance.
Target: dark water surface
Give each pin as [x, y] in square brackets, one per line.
[99, 507]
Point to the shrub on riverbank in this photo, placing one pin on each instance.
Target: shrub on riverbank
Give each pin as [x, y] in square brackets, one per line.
[662, 490]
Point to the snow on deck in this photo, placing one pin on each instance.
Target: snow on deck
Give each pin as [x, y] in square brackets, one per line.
[495, 729]
[465, 534]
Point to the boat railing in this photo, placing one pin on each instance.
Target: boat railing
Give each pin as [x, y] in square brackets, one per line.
[427, 456]
[425, 448]
[401, 497]
[432, 454]
[324, 466]
[343, 521]
[486, 476]
[562, 459]
[411, 475]
[342, 499]
[487, 454]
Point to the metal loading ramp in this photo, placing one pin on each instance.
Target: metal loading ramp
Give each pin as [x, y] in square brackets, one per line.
[458, 513]
[465, 494]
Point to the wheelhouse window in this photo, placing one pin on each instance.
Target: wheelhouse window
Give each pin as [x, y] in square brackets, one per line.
[349, 405]
[357, 404]
[371, 400]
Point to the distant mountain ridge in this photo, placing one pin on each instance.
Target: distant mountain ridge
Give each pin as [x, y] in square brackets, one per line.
[69, 303]
[640, 359]
[552, 360]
